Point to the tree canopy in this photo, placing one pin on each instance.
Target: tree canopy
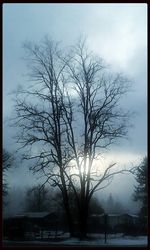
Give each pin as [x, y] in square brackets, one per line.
[68, 117]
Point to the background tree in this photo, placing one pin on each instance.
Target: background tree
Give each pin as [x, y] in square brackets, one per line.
[6, 165]
[95, 207]
[37, 199]
[113, 207]
[110, 204]
[67, 118]
[141, 189]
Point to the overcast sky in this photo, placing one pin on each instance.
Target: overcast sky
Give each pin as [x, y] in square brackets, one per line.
[116, 32]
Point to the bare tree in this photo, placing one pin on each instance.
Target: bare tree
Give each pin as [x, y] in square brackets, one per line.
[37, 199]
[39, 117]
[67, 118]
[6, 164]
[102, 121]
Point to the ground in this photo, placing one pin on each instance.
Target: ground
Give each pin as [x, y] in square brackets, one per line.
[94, 240]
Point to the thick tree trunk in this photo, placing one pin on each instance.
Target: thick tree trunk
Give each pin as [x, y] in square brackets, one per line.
[83, 224]
[66, 203]
[69, 218]
[67, 208]
[83, 217]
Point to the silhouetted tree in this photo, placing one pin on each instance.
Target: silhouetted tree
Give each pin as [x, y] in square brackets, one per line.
[67, 118]
[37, 199]
[6, 165]
[97, 98]
[95, 207]
[112, 206]
[141, 188]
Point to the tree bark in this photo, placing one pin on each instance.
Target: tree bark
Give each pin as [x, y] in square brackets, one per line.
[83, 223]
[68, 214]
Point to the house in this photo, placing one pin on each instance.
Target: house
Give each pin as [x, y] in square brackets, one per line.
[28, 225]
[129, 218]
[119, 219]
[111, 222]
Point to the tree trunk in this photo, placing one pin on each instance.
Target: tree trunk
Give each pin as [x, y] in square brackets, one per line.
[83, 217]
[69, 219]
[83, 224]
[66, 204]
[68, 212]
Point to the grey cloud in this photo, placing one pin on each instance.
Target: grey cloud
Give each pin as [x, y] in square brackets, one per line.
[116, 32]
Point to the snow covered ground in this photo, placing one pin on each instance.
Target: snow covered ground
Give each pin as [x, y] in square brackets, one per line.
[112, 240]
[122, 241]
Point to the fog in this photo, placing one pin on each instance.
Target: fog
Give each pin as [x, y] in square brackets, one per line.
[16, 202]
[115, 32]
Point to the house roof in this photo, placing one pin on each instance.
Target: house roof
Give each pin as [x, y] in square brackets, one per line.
[121, 215]
[115, 215]
[37, 214]
[97, 215]
[131, 215]
[33, 215]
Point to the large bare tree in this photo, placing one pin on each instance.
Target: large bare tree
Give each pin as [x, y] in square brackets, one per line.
[101, 122]
[39, 117]
[67, 118]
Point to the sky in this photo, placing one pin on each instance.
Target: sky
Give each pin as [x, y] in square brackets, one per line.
[115, 32]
